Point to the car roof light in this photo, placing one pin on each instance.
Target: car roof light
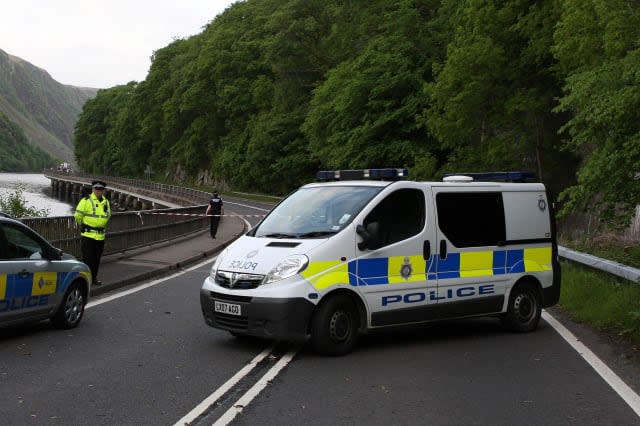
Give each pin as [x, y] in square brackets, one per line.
[494, 177]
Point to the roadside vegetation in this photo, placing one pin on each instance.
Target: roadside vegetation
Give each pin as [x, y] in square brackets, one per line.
[15, 205]
[609, 246]
[272, 91]
[603, 301]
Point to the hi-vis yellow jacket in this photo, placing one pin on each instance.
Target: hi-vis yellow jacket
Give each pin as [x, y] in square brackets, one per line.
[93, 215]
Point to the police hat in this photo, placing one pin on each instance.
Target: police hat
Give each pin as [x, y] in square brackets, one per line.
[98, 184]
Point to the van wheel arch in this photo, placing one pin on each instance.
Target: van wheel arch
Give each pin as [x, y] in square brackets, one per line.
[524, 306]
[336, 323]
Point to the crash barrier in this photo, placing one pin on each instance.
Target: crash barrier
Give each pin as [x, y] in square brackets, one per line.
[126, 230]
[172, 193]
[615, 268]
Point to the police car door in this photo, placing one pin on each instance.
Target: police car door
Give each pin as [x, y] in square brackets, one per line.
[30, 286]
[470, 263]
[392, 269]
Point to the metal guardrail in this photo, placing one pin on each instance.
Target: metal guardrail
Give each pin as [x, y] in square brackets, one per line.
[615, 268]
[129, 230]
[126, 230]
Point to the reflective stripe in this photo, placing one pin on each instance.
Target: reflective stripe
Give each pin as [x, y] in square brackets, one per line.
[3, 286]
[323, 275]
[537, 259]
[468, 264]
[476, 264]
[98, 236]
[417, 272]
[44, 283]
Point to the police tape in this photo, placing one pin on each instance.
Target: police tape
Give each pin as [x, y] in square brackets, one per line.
[141, 212]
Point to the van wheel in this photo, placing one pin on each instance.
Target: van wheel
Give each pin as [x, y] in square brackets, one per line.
[334, 327]
[523, 312]
[71, 309]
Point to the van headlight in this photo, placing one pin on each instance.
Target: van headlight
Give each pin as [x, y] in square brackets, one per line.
[287, 267]
[215, 265]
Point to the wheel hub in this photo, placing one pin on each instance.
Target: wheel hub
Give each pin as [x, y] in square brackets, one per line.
[340, 326]
[524, 307]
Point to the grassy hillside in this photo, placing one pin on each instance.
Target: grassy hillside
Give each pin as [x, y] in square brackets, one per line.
[16, 153]
[44, 109]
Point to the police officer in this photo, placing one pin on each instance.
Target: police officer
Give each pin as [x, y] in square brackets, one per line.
[92, 214]
[215, 209]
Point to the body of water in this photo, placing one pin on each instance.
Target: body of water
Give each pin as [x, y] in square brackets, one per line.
[34, 186]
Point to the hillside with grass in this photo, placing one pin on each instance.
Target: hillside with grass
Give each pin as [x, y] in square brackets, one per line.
[17, 154]
[44, 109]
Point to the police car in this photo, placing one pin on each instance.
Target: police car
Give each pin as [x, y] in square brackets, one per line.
[37, 280]
[367, 249]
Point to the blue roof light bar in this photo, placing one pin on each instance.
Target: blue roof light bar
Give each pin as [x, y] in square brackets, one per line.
[362, 174]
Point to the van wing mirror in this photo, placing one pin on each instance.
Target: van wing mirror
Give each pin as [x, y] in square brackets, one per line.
[370, 236]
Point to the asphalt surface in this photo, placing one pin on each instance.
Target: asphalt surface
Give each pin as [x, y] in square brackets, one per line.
[122, 269]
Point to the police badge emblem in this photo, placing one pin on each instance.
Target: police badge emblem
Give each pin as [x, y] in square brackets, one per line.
[406, 270]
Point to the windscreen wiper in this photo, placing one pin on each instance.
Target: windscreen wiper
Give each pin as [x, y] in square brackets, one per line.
[280, 235]
[316, 234]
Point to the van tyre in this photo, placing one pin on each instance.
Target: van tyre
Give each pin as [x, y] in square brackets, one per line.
[71, 309]
[525, 307]
[334, 328]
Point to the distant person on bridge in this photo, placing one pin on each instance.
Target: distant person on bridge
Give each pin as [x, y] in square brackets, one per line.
[92, 214]
[215, 209]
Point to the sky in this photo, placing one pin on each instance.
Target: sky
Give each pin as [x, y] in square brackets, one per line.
[99, 43]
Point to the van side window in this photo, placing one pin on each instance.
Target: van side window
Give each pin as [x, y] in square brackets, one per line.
[471, 219]
[400, 215]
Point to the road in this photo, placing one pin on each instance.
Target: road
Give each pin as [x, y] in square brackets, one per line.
[145, 357]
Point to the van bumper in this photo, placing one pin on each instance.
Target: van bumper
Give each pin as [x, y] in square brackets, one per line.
[551, 295]
[271, 318]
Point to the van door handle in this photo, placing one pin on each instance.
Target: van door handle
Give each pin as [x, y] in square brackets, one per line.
[426, 250]
[443, 249]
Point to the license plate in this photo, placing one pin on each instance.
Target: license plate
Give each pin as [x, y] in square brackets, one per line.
[226, 308]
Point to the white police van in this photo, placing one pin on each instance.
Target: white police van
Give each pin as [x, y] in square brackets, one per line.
[355, 253]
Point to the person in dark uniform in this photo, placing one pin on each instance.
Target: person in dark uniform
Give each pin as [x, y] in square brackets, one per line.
[215, 209]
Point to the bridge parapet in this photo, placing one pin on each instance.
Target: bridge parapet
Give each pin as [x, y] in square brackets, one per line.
[150, 221]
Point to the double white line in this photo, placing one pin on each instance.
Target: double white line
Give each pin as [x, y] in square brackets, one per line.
[246, 399]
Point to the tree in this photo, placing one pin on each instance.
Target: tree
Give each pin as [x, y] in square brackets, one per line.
[15, 205]
[596, 45]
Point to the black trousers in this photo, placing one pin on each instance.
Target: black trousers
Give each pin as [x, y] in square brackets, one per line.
[91, 254]
[215, 220]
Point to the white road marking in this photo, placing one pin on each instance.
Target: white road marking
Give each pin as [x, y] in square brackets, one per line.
[617, 384]
[211, 399]
[141, 287]
[246, 399]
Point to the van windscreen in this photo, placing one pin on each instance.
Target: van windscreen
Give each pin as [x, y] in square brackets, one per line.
[315, 212]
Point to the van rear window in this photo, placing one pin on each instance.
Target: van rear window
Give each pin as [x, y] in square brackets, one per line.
[471, 219]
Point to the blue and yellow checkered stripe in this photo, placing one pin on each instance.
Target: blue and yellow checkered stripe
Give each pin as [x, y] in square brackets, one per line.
[34, 284]
[470, 264]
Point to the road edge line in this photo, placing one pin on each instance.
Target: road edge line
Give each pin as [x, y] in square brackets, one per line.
[617, 384]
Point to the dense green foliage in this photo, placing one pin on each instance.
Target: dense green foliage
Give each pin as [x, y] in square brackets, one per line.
[15, 205]
[273, 90]
[16, 153]
[45, 110]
